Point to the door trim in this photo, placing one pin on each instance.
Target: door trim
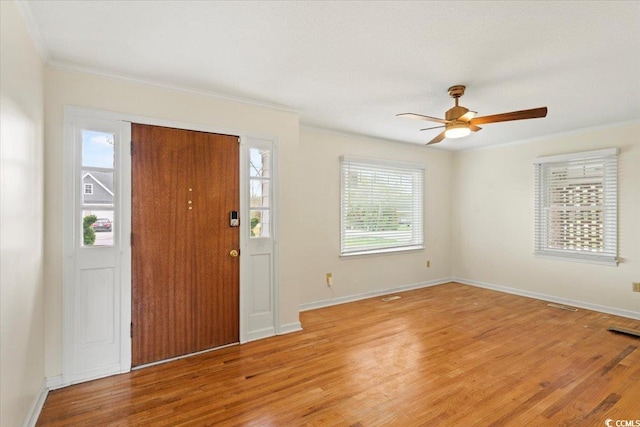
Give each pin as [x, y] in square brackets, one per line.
[71, 113]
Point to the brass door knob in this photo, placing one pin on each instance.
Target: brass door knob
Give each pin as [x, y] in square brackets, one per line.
[234, 253]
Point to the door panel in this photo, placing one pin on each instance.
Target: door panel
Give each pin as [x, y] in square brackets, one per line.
[216, 273]
[185, 286]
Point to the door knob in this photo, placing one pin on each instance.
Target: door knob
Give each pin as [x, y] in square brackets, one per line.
[234, 253]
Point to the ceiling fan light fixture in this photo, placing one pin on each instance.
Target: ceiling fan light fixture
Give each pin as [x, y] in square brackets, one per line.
[457, 130]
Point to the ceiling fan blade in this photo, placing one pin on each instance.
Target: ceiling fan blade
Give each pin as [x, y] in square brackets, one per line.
[474, 128]
[435, 127]
[421, 117]
[533, 113]
[437, 139]
[468, 116]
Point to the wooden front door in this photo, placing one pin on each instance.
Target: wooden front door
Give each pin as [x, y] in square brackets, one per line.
[185, 280]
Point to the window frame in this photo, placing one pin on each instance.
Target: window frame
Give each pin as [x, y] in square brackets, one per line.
[417, 171]
[606, 159]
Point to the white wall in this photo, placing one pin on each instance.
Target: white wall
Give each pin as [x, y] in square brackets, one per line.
[318, 208]
[91, 91]
[493, 231]
[21, 219]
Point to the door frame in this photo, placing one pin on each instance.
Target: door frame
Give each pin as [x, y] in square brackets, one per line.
[70, 375]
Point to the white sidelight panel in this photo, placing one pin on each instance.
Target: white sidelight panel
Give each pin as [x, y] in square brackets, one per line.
[261, 288]
[260, 310]
[95, 316]
[96, 309]
[96, 306]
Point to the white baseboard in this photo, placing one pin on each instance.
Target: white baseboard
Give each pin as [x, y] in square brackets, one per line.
[54, 383]
[550, 298]
[36, 407]
[358, 297]
[289, 328]
[506, 289]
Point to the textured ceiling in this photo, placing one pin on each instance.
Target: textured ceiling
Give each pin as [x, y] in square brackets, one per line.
[352, 66]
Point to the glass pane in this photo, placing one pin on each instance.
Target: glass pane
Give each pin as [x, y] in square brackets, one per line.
[97, 149]
[260, 223]
[259, 193]
[97, 228]
[97, 188]
[259, 162]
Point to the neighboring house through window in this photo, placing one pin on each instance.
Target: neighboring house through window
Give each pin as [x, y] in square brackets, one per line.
[382, 205]
[576, 206]
[98, 188]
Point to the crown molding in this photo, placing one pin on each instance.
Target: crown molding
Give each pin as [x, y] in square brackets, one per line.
[576, 131]
[82, 69]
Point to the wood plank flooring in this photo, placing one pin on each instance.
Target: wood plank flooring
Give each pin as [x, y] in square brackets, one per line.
[450, 355]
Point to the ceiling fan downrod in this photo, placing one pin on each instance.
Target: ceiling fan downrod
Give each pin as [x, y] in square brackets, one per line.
[456, 111]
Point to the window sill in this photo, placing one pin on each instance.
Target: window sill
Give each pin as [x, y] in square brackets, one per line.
[578, 258]
[390, 251]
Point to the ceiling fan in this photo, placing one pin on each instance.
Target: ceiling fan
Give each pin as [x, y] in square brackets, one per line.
[459, 121]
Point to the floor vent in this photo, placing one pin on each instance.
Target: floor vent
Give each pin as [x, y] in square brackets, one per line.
[562, 307]
[621, 330]
[391, 298]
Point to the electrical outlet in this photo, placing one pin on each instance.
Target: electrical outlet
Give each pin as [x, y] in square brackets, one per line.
[428, 264]
[329, 279]
[636, 286]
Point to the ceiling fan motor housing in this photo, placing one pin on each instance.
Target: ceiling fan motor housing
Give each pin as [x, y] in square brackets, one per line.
[454, 112]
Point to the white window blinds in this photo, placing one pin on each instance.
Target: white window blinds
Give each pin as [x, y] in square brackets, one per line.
[381, 206]
[576, 206]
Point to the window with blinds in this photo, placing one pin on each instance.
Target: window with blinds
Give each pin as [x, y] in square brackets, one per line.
[576, 206]
[381, 206]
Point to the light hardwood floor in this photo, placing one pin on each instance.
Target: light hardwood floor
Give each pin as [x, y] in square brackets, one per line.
[450, 355]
